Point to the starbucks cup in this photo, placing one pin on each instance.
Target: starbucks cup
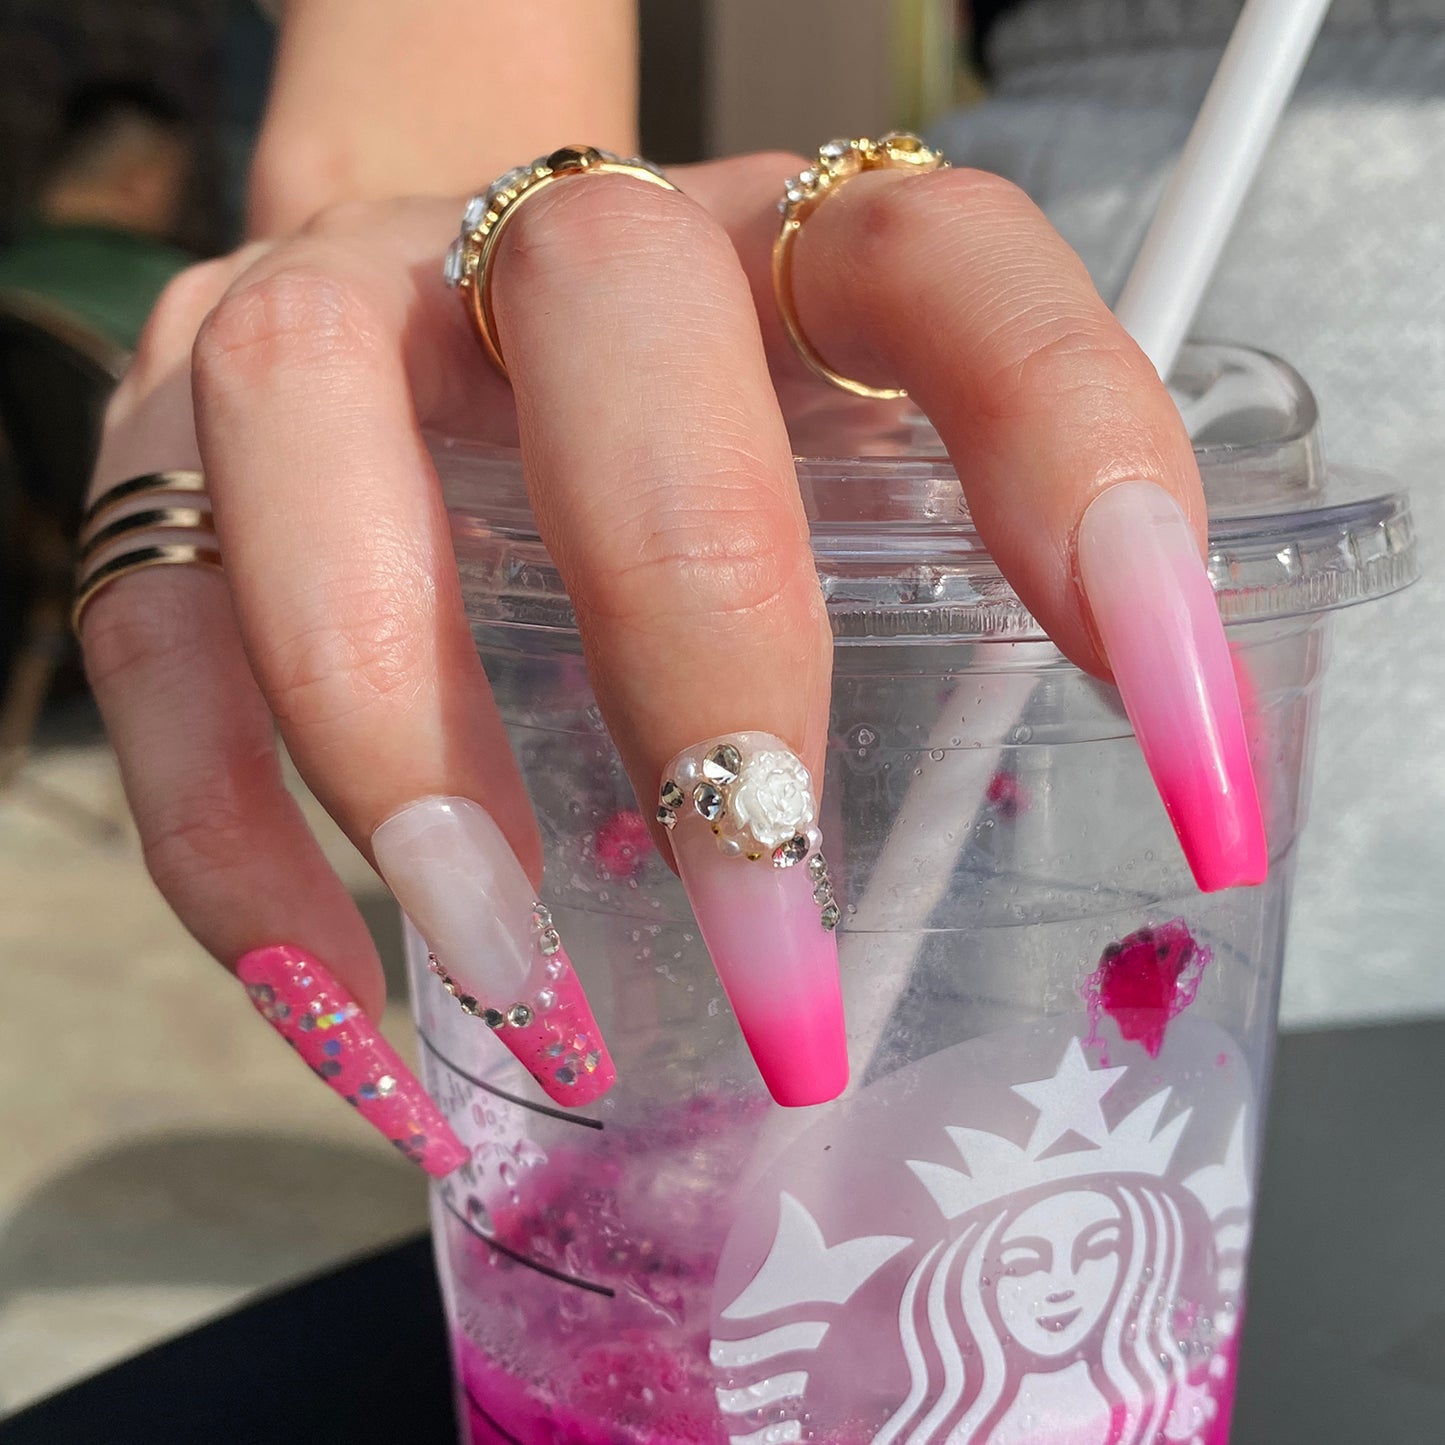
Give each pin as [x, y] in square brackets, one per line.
[1029, 1218]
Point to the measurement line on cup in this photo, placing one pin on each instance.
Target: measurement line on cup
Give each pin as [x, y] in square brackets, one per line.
[489, 1419]
[516, 1099]
[559, 1275]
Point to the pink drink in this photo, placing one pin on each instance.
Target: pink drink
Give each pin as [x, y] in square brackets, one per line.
[542, 1360]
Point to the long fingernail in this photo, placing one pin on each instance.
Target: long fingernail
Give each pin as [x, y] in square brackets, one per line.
[1159, 624]
[741, 810]
[493, 945]
[301, 999]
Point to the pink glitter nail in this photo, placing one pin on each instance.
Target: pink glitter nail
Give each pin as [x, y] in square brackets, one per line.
[301, 999]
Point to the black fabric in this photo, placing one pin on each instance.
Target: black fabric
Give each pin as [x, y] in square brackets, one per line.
[1344, 1342]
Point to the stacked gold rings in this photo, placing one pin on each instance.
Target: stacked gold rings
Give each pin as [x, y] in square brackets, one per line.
[837, 161]
[162, 519]
[469, 260]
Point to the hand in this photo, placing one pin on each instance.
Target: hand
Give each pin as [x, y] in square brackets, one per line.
[646, 364]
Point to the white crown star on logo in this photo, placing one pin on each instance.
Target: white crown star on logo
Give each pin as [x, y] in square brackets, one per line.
[1069, 1104]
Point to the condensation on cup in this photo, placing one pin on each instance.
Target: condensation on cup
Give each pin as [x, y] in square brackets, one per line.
[1028, 1220]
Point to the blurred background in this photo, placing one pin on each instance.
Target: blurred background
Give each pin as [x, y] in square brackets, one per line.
[160, 1156]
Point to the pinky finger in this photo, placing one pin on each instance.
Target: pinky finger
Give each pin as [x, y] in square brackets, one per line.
[229, 847]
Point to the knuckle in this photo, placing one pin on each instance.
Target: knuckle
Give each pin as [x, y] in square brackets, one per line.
[301, 315]
[1051, 357]
[207, 827]
[335, 670]
[715, 556]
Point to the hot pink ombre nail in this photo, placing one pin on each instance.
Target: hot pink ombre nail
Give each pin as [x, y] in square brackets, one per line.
[1156, 616]
[741, 810]
[303, 1002]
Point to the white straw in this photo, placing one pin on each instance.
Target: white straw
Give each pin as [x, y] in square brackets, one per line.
[1258, 72]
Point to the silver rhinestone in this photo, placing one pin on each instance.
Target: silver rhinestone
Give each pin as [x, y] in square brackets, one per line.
[386, 1086]
[834, 150]
[793, 191]
[591, 1062]
[469, 1005]
[708, 801]
[671, 795]
[823, 892]
[793, 851]
[783, 206]
[493, 1018]
[550, 941]
[566, 1075]
[519, 1015]
[829, 917]
[433, 963]
[476, 212]
[722, 764]
[454, 265]
[667, 818]
[808, 179]
[817, 867]
[541, 916]
[546, 1000]
[555, 1049]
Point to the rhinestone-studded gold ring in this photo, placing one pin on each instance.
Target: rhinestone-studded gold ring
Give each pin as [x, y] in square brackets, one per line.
[468, 265]
[837, 161]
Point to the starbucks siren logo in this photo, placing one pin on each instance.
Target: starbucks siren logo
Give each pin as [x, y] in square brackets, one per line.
[1074, 1282]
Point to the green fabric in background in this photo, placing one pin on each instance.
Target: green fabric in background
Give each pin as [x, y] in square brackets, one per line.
[106, 277]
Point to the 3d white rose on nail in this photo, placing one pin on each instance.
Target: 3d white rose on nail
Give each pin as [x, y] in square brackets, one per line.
[772, 798]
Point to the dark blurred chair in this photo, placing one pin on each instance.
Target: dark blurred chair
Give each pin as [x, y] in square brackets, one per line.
[56, 374]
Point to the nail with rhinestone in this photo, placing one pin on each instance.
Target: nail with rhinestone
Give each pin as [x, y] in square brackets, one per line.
[306, 1004]
[462, 887]
[737, 850]
[708, 801]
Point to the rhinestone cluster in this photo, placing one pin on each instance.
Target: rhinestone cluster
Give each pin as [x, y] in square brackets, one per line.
[486, 208]
[752, 817]
[575, 1051]
[839, 159]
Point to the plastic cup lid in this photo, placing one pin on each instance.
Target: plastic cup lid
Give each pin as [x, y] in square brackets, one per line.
[898, 556]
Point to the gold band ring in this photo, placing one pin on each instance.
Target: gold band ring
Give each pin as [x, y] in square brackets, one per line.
[158, 482]
[160, 534]
[469, 258]
[169, 518]
[837, 162]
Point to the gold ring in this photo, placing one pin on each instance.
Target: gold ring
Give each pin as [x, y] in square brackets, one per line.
[157, 482]
[468, 265]
[161, 534]
[167, 518]
[837, 161]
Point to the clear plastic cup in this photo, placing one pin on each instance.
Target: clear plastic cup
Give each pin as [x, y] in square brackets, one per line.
[1029, 1218]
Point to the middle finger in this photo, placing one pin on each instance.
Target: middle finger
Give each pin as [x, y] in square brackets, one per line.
[663, 484]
